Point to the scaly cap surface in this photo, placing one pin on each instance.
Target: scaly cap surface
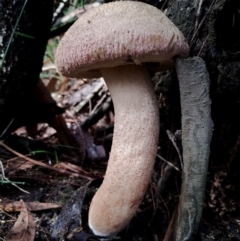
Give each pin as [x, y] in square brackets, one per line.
[118, 33]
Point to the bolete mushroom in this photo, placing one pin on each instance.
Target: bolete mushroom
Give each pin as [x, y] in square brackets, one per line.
[115, 41]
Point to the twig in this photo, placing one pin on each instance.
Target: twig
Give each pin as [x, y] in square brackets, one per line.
[198, 14]
[90, 96]
[43, 164]
[98, 104]
[203, 45]
[10, 123]
[171, 225]
[2, 176]
[169, 163]
[173, 138]
[59, 9]
[202, 21]
[98, 114]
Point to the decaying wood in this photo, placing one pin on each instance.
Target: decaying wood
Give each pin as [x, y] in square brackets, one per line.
[197, 127]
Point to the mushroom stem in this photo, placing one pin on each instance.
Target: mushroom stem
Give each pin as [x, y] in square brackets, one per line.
[133, 150]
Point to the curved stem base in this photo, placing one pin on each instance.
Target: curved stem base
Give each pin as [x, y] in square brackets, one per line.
[133, 150]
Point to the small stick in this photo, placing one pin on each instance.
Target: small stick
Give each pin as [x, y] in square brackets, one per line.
[43, 164]
[4, 179]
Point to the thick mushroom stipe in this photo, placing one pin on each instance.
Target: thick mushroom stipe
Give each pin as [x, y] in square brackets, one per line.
[133, 149]
[113, 41]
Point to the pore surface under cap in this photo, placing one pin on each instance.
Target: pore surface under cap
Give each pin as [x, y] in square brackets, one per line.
[119, 33]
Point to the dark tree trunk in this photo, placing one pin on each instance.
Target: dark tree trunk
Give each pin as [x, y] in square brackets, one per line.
[22, 64]
[24, 100]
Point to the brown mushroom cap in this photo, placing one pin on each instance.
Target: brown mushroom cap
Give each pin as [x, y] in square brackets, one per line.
[118, 33]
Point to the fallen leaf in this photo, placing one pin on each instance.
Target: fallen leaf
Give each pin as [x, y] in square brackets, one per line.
[17, 206]
[24, 228]
[19, 164]
[51, 86]
[71, 167]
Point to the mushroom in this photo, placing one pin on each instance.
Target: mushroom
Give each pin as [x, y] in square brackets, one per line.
[117, 41]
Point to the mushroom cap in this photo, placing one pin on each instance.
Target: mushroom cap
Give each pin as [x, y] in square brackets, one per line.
[118, 33]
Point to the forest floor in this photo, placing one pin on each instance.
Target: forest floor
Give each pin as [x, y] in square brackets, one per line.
[37, 194]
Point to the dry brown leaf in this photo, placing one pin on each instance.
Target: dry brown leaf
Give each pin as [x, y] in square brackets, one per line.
[24, 228]
[17, 206]
[51, 86]
[49, 131]
[19, 164]
[71, 167]
[20, 131]
[63, 85]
